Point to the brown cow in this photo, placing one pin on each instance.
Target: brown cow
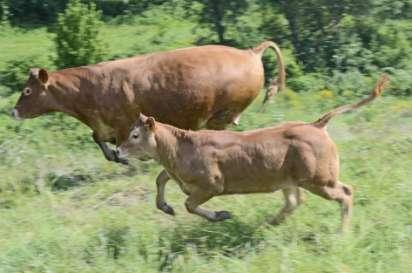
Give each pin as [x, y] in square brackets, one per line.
[208, 163]
[205, 86]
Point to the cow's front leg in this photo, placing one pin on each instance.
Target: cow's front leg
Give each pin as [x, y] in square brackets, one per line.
[161, 204]
[108, 153]
[198, 197]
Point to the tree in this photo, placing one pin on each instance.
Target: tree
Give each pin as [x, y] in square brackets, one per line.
[216, 16]
[23, 12]
[4, 13]
[77, 35]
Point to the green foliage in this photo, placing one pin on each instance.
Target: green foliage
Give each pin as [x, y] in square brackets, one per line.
[78, 39]
[23, 12]
[4, 13]
[122, 7]
[307, 82]
[401, 84]
[15, 73]
[34, 11]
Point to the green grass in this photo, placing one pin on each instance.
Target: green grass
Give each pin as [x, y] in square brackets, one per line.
[65, 209]
[17, 44]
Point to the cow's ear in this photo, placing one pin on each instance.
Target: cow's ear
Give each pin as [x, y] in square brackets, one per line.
[150, 123]
[40, 74]
[43, 76]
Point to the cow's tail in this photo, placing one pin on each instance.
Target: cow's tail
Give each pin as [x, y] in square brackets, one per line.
[275, 84]
[380, 85]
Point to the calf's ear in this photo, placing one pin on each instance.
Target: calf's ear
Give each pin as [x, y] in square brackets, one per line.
[150, 123]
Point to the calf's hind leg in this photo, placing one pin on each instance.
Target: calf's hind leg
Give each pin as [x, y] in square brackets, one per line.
[292, 201]
[340, 193]
[161, 204]
[198, 197]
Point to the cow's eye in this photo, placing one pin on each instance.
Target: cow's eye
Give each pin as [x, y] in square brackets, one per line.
[135, 136]
[27, 91]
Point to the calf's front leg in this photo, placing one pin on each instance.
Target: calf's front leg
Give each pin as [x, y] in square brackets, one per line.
[108, 153]
[198, 197]
[161, 204]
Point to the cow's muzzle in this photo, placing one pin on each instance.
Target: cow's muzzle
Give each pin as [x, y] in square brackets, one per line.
[121, 153]
[15, 114]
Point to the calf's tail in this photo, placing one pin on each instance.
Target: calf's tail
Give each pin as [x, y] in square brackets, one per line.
[379, 87]
[275, 84]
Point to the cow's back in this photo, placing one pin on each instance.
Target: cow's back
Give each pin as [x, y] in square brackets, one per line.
[188, 87]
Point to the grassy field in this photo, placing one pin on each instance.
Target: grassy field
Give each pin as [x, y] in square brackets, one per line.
[64, 208]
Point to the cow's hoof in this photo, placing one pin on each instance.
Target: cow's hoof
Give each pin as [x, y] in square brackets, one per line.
[166, 209]
[222, 215]
[123, 161]
[113, 156]
[169, 210]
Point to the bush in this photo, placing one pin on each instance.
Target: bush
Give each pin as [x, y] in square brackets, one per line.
[77, 35]
[34, 11]
[307, 82]
[401, 82]
[349, 85]
[15, 74]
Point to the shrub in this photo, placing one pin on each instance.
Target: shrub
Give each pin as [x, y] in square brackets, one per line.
[401, 82]
[307, 82]
[15, 74]
[77, 35]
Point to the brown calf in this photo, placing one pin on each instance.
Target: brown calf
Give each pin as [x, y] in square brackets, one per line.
[208, 163]
[191, 88]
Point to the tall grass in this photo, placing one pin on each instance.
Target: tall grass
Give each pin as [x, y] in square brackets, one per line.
[65, 209]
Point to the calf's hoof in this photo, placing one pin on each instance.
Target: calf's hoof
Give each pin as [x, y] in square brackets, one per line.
[222, 215]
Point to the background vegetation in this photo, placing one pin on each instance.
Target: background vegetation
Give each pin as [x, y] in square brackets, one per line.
[65, 209]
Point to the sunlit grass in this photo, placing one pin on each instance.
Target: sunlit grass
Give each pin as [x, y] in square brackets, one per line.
[65, 209]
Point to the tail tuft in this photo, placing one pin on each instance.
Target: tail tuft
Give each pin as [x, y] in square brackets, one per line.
[377, 91]
[275, 84]
[380, 85]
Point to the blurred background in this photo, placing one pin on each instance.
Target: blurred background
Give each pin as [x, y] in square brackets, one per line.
[63, 208]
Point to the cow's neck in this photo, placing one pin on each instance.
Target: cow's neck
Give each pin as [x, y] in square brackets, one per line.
[71, 99]
[168, 139]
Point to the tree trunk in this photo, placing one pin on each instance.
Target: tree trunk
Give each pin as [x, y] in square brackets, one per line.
[218, 13]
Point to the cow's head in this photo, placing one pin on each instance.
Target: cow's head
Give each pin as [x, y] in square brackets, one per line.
[141, 142]
[34, 99]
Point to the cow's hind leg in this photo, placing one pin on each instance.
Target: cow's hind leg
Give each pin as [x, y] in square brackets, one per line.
[161, 204]
[221, 119]
[198, 197]
[292, 200]
[108, 153]
[340, 193]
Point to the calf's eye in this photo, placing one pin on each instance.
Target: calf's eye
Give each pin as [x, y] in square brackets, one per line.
[135, 136]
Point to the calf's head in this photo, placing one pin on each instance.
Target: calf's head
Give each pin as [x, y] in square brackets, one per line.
[34, 100]
[141, 142]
